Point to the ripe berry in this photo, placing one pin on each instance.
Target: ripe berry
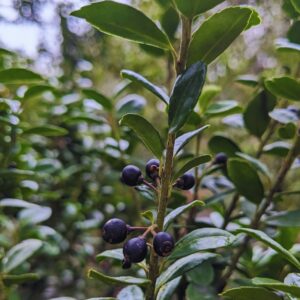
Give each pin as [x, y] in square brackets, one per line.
[126, 264]
[152, 168]
[132, 175]
[135, 250]
[185, 182]
[221, 159]
[163, 243]
[115, 231]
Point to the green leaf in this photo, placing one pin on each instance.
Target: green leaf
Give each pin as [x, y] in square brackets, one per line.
[276, 285]
[202, 275]
[168, 289]
[130, 104]
[245, 179]
[283, 116]
[183, 139]
[201, 239]
[256, 115]
[146, 132]
[264, 238]
[85, 118]
[20, 253]
[288, 131]
[135, 77]
[46, 130]
[293, 33]
[192, 8]
[182, 266]
[296, 4]
[10, 202]
[35, 214]
[122, 280]
[178, 211]
[284, 219]
[285, 87]
[208, 93]
[248, 80]
[185, 95]
[148, 214]
[19, 76]
[217, 33]
[277, 148]
[223, 108]
[249, 292]
[125, 21]
[170, 21]
[193, 163]
[101, 99]
[19, 279]
[292, 279]
[36, 91]
[220, 143]
[114, 254]
[288, 47]
[130, 292]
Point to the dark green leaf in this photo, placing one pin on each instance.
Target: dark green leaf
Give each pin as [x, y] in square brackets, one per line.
[201, 239]
[284, 219]
[36, 91]
[248, 80]
[293, 33]
[122, 280]
[182, 140]
[202, 275]
[192, 8]
[125, 21]
[264, 238]
[277, 148]
[219, 143]
[208, 93]
[167, 290]
[283, 115]
[287, 131]
[223, 108]
[130, 104]
[114, 254]
[256, 115]
[46, 130]
[101, 99]
[217, 33]
[249, 292]
[170, 22]
[193, 163]
[19, 76]
[146, 132]
[285, 87]
[185, 95]
[86, 119]
[135, 77]
[245, 179]
[178, 211]
[296, 4]
[19, 279]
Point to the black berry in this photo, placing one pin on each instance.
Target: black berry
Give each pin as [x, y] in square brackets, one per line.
[185, 182]
[115, 231]
[152, 168]
[163, 243]
[126, 264]
[132, 175]
[135, 250]
[221, 159]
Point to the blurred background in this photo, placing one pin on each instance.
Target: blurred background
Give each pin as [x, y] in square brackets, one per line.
[74, 177]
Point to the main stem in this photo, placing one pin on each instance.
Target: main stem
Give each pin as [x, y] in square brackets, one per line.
[293, 153]
[166, 176]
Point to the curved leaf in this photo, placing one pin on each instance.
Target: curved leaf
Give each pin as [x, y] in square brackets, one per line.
[101, 99]
[130, 292]
[9, 279]
[223, 108]
[220, 143]
[46, 130]
[168, 289]
[19, 76]
[146, 132]
[249, 292]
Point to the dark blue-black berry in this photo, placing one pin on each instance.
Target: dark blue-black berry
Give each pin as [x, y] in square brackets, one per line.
[221, 159]
[126, 264]
[163, 243]
[114, 231]
[132, 175]
[152, 168]
[185, 182]
[135, 250]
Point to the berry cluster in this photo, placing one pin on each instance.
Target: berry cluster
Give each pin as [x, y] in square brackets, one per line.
[135, 249]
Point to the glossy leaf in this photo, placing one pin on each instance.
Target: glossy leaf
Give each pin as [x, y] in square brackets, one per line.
[220, 143]
[185, 95]
[46, 130]
[10, 202]
[122, 280]
[193, 163]
[249, 292]
[285, 87]
[208, 93]
[101, 99]
[178, 211]
[192, 8]
[168, 289]
[288, 47]
[223, 108]
[245, 179]
[114, 254]
[201, 239]
[283, 116]
[264, 238]
[130, 292]
[183, 139]
[35, 214]
[146, 132]
[125, 21]
[256, 115]
[170, 22]
[182, 266]
[217, 33]
[19, 76]
[20, 253]
[276, 285]
[277, 148]
[130, 104]
[135, 77]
